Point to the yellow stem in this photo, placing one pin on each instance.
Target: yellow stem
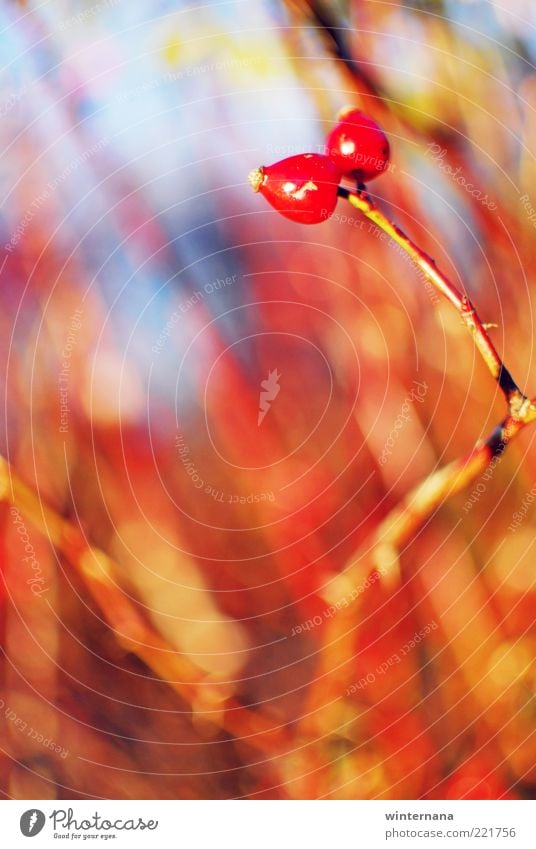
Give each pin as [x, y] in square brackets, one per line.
[364, 203]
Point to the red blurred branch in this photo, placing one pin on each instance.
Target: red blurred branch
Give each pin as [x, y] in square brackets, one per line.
[210, 703]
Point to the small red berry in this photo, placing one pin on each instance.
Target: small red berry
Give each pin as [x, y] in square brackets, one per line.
[358, 146]
[302, 188]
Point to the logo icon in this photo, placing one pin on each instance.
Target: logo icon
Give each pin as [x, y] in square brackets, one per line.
[271, 389]
[32, 822]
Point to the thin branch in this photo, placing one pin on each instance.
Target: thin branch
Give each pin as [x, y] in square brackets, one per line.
[519, 406]
[402, 523]
[336, 670]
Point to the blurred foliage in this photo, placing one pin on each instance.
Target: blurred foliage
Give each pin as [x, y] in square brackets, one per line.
[146, 295]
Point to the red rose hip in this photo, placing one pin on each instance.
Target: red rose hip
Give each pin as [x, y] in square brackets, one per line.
[302, 188]
[358, 146]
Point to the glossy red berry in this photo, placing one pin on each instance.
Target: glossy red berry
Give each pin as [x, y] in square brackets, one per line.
[358, 146]
[302, 188]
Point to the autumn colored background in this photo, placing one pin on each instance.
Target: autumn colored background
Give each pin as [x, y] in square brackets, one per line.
[146, 294]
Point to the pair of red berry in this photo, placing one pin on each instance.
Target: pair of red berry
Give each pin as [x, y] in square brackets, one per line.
[304, 187]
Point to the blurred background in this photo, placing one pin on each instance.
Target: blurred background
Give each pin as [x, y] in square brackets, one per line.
[149, 299]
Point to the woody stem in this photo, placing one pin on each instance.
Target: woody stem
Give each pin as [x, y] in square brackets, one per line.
[519, 406]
